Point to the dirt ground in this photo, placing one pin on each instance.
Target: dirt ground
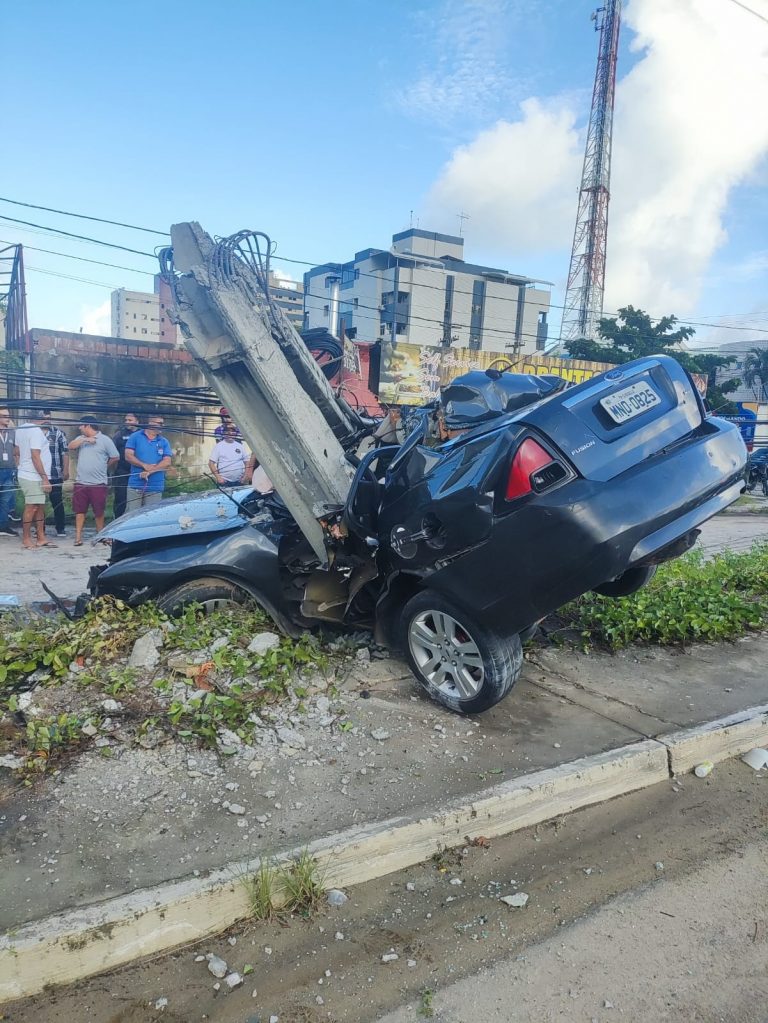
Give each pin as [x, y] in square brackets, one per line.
[330, 967]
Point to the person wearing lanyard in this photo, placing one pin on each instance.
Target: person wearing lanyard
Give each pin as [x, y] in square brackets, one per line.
[149, 455]
[7, 473]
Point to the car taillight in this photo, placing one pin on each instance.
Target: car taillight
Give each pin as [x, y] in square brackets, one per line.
[530, 458]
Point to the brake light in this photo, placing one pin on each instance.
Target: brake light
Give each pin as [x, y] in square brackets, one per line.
[529, 459]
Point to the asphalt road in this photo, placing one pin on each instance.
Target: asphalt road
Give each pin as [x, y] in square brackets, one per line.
[651, 907]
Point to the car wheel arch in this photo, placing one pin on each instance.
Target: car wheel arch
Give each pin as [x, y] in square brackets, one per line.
[233, 579]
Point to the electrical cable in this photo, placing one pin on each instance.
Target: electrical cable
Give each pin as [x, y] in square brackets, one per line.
[80, 237]
[83, 216]
[334, 266]
[744, 7]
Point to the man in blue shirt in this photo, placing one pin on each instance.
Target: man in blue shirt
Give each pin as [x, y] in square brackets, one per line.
[149, 455]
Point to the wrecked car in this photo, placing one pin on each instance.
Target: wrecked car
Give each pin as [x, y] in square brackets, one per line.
[536, 494]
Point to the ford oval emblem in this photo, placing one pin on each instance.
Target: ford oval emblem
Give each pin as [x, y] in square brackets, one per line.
[614, 374]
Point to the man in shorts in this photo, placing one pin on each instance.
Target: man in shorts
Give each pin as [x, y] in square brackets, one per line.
[33, 455]
[149, 455]
[96, 455]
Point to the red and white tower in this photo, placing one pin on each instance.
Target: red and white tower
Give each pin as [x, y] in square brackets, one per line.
[586, 275]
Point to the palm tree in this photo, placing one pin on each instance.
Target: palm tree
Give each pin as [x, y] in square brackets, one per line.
[754, 368]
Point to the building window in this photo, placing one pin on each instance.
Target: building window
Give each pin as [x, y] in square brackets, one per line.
[448, 310]
[143, 330]
[476, 318]
[542, 330]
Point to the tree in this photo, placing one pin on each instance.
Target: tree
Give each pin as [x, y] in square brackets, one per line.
[633, 335]
[754, 368]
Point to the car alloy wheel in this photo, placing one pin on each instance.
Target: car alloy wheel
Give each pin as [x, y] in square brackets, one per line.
[446, 654]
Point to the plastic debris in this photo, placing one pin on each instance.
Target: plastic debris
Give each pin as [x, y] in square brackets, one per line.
[757, 758]
[336, 897]
[516, 901]
[390, 957]
[217, 966]
[380, 734]
[703, 769]
[263, 642]
[160, 1004]
[233, 980]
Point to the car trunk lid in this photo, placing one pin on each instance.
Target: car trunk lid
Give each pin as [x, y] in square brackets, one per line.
[614, 421]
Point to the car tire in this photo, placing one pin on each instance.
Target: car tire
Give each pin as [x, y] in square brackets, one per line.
[628, 582]
[485, 669]
[212, 594]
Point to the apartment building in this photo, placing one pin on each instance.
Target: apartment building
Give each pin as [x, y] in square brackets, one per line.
[422, 291]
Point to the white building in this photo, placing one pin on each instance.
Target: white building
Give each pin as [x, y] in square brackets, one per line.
[289, 295]
[143, 315]
[421, 291]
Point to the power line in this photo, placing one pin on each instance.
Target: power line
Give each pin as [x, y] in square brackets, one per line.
[83, 216]
[286, 259]
[96, 262]
[81, 237]
[744, 7]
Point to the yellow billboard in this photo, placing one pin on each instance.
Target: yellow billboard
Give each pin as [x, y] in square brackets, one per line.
[414, 374]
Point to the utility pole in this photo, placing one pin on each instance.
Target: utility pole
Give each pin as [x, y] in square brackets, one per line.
[583, 305]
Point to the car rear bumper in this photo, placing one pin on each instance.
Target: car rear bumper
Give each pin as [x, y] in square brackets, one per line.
[557, 546]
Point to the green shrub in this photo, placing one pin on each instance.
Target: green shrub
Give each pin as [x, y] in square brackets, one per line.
[689, 599]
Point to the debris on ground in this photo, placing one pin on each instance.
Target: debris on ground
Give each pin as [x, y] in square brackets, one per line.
[756, 758]
[703, 769]
[217, 966]
[336, 897]
[517, 901]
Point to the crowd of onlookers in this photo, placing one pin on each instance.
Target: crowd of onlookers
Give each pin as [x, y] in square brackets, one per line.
[36, 460]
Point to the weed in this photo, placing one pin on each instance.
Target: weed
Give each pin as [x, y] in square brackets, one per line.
[689, 599]
[426, 997]
[261, 890]
[303, 884]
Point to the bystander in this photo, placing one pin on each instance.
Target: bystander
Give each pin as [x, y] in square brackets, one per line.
[149, 455]
[57, 442]
[7, 473]
[229, 461]
[96, 455]
[123, 467]
[33, 457]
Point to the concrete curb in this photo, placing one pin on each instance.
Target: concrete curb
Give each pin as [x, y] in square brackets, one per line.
[84, 942]
[717, 740]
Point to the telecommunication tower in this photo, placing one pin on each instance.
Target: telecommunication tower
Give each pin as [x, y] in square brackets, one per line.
[586, 275]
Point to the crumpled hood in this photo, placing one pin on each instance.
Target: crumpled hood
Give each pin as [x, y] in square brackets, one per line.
[212, 512]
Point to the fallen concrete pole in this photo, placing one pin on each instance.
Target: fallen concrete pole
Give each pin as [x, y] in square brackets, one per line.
[230, 336]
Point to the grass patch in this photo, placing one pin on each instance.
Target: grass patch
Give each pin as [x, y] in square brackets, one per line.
[303, 884]
[261, 889]
[296, 887]
[426, 1002]
[689, 599]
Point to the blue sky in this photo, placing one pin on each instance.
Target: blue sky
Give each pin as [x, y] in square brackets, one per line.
[325, 125]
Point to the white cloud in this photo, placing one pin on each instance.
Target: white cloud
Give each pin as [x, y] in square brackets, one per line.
[97, 319]
[517, 180]
[286, 279]
[689, 127]
[465, 72]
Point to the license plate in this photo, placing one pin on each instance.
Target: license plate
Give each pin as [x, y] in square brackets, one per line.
[630, 402]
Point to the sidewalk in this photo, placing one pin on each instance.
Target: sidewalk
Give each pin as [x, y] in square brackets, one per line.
[103, 828]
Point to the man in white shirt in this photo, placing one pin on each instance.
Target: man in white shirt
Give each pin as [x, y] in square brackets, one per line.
[229, 460]
[33, 456]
